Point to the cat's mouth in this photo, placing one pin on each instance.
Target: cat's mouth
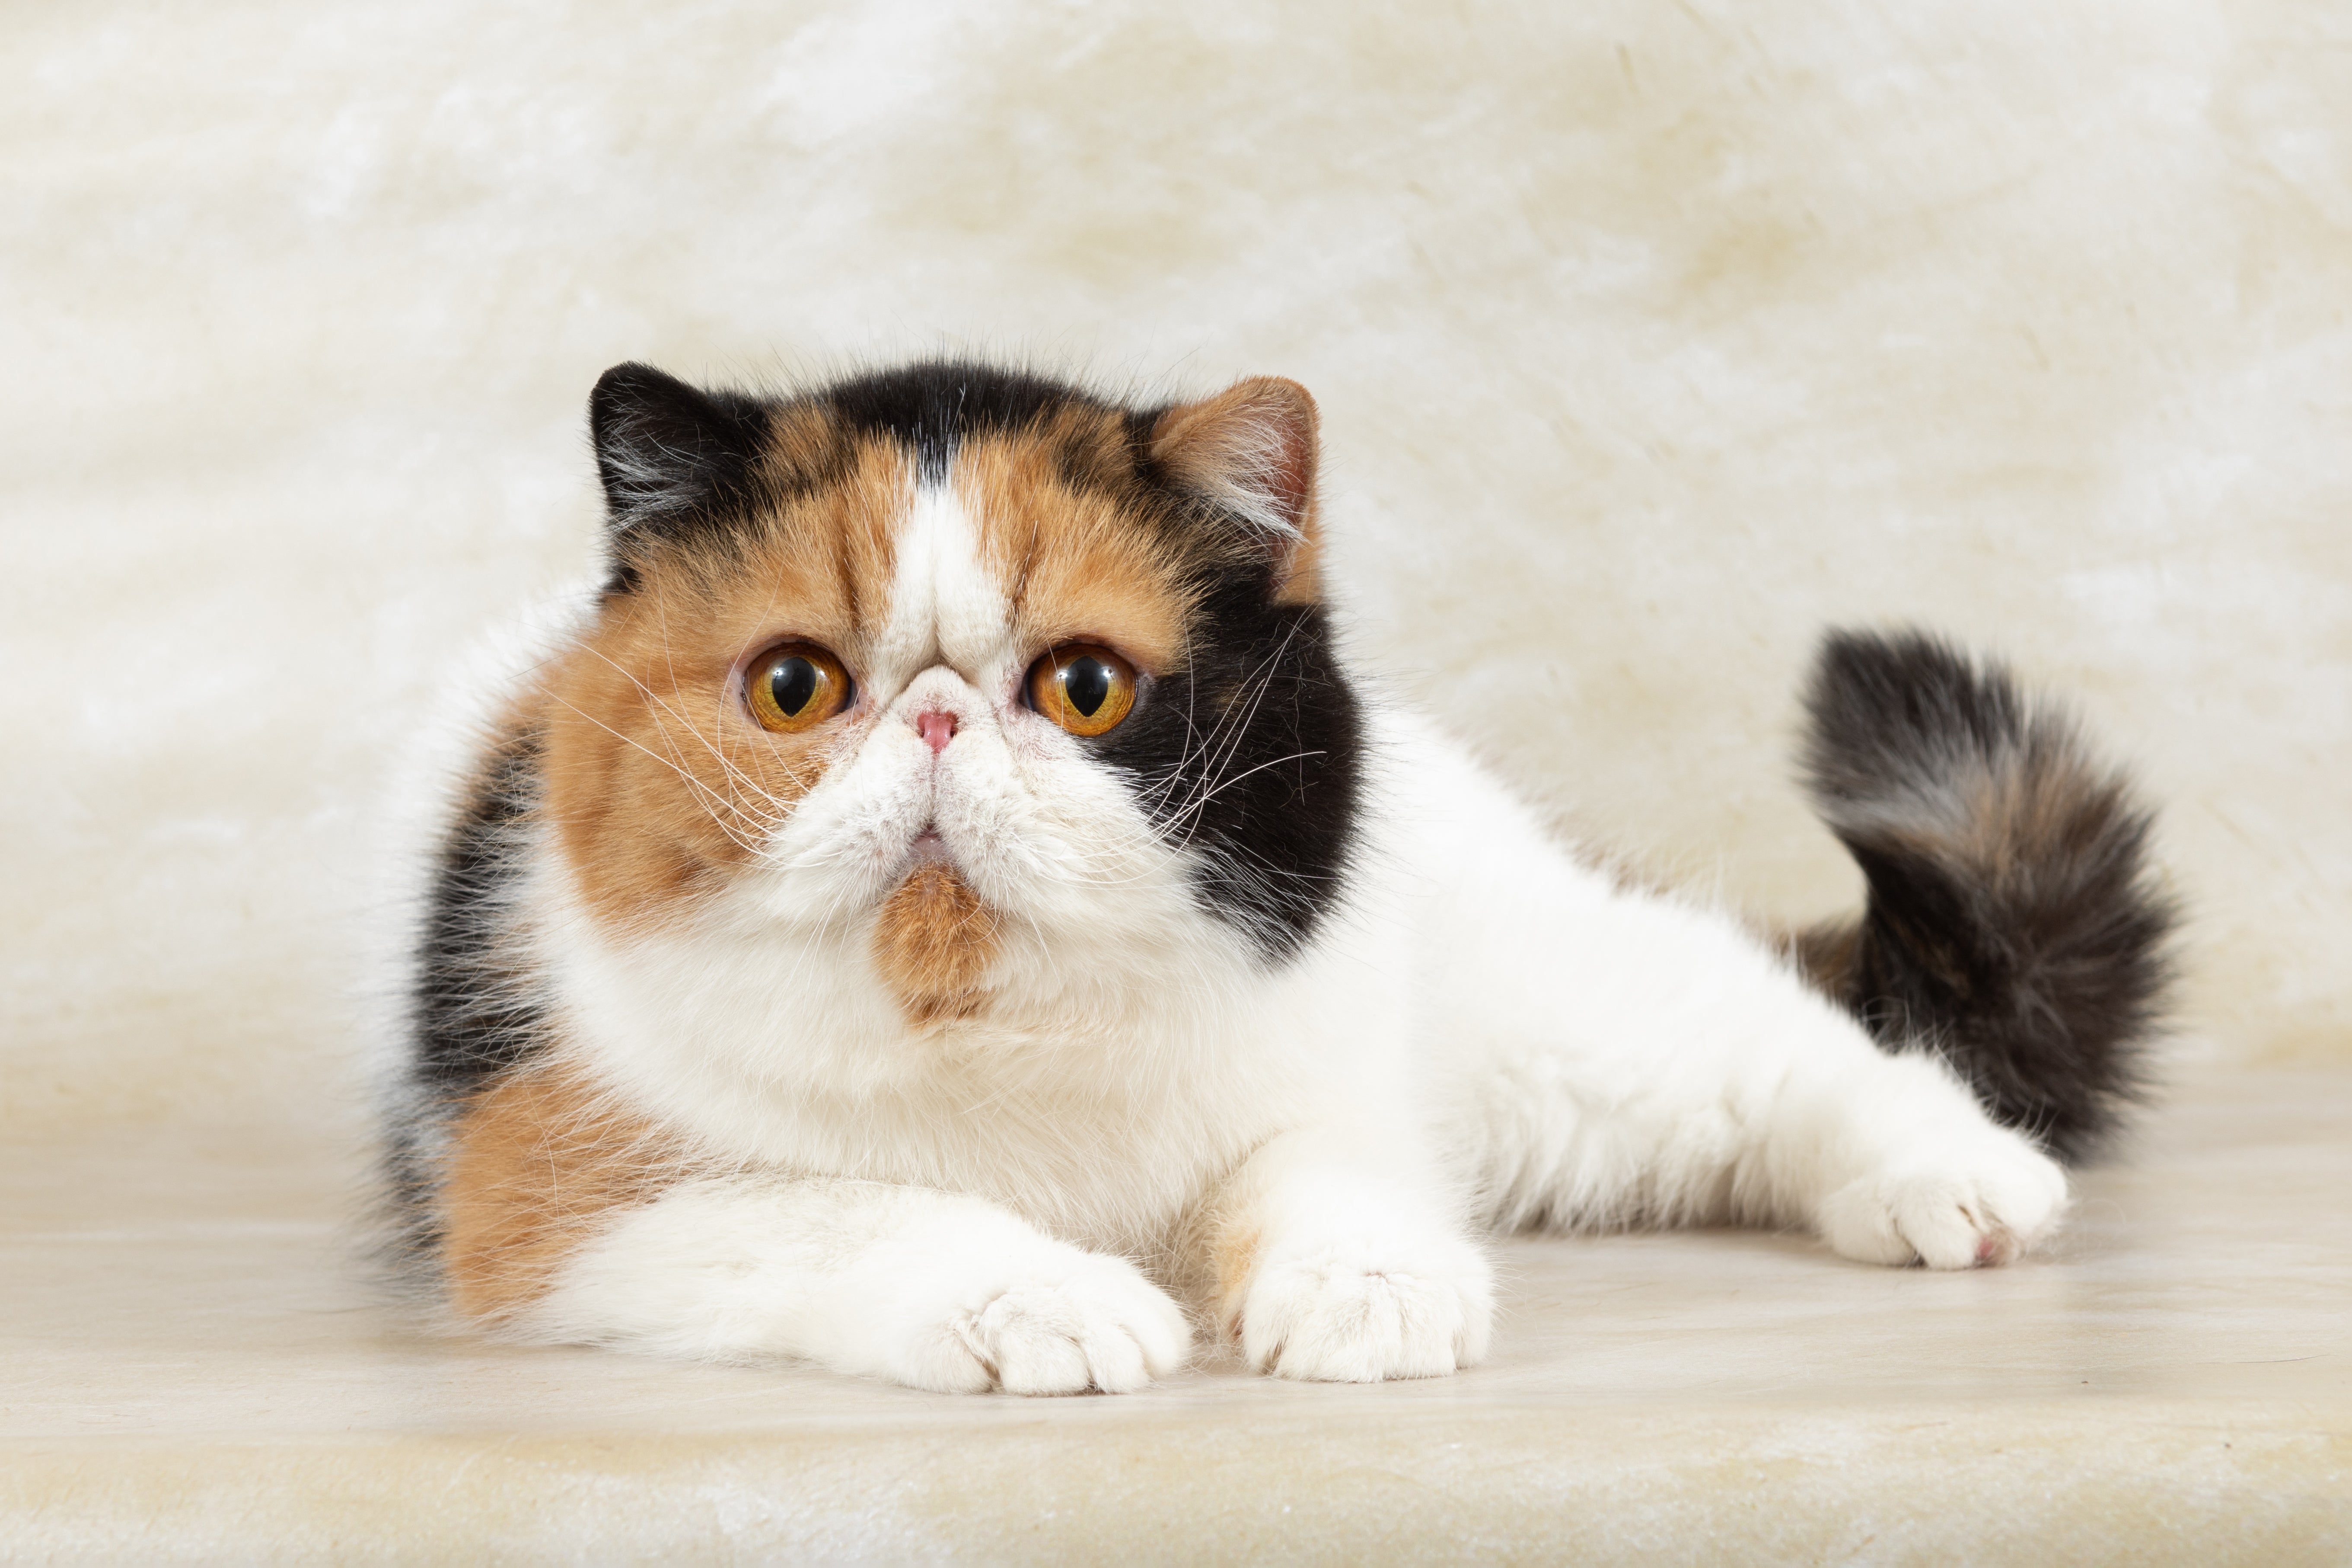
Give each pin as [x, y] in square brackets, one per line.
[928, 847]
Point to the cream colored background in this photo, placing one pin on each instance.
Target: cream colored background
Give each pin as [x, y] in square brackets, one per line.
[1650, 338]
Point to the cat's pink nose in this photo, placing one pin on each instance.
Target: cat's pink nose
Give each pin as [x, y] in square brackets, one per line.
[935, 727]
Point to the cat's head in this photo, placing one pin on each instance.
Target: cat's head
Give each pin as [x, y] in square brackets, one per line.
[997, 680]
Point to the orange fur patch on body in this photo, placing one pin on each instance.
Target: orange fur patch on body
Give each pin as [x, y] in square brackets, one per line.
[933, 943]
[537, 1166]
[1233, 1258]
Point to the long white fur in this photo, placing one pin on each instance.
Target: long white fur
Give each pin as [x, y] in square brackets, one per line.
[1484, 1034]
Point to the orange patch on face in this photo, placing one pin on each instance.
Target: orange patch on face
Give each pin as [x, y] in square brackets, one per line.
[657, 784]
[933, 942]
[536, 1166]
[1076, 560]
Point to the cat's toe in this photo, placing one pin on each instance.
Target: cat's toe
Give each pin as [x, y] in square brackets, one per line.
[1364, 1313]
[1106, 1329]
[1963, 1208]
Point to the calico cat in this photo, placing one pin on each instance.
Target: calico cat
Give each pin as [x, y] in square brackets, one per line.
[943, 910]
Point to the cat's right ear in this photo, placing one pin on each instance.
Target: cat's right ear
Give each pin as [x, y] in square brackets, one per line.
[669, 453]
[1252, 448]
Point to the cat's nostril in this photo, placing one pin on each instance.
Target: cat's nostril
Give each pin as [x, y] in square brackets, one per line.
[935, 727]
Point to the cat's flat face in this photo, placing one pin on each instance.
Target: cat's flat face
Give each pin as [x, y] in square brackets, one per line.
[985, 675]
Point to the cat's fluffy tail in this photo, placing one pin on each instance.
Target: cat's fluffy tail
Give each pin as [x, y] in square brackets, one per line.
[2013, 923]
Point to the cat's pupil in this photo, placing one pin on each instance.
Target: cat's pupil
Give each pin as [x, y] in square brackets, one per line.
[791, 685]
[1085, 685]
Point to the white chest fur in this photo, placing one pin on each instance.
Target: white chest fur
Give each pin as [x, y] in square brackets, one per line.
[1099, 1105]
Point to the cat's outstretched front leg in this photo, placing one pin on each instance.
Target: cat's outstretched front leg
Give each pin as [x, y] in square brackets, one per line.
[935, 1289]
[1333, 1258]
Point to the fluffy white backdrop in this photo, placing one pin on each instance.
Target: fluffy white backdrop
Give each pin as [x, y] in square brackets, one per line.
[1650, 339]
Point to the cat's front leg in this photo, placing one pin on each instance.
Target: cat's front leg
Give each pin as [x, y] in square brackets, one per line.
[935, 1289]
[1334, 1259]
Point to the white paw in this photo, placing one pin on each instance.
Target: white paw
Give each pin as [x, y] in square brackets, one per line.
[1064, 1321]
[1978, 1200]
[1361, 1311]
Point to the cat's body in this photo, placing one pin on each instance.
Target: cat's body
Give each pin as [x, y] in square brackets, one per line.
[941, 1035]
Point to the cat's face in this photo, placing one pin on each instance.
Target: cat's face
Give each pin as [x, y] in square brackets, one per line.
[987, 676]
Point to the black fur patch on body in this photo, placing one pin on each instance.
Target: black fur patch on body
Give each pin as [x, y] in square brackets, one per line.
[2012, 924]
[472, 1021]
[470, 1014]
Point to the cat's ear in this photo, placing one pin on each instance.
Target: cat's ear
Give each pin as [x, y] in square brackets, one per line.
[666, 451]
[1252, 449]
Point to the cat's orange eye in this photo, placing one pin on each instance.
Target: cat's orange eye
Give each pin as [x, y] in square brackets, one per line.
[795, 686]
[1084, 688]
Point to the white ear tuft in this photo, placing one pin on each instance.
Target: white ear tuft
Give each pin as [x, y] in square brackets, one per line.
[1252, 449]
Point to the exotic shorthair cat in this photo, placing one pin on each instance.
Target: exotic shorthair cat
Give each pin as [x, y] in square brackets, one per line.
[943, 910]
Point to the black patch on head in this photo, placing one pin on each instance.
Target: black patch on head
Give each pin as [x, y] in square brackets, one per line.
[675, 460]
[932, 406]
[680, 463]
[2013, 923]
[1253, 756]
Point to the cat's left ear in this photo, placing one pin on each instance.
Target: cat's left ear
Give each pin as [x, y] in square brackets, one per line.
[1252, 449]
[667, 452]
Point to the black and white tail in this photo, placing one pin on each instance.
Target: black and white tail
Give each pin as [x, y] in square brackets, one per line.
[2013, 923]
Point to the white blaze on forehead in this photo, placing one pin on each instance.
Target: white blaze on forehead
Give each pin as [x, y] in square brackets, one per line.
[946, 606]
